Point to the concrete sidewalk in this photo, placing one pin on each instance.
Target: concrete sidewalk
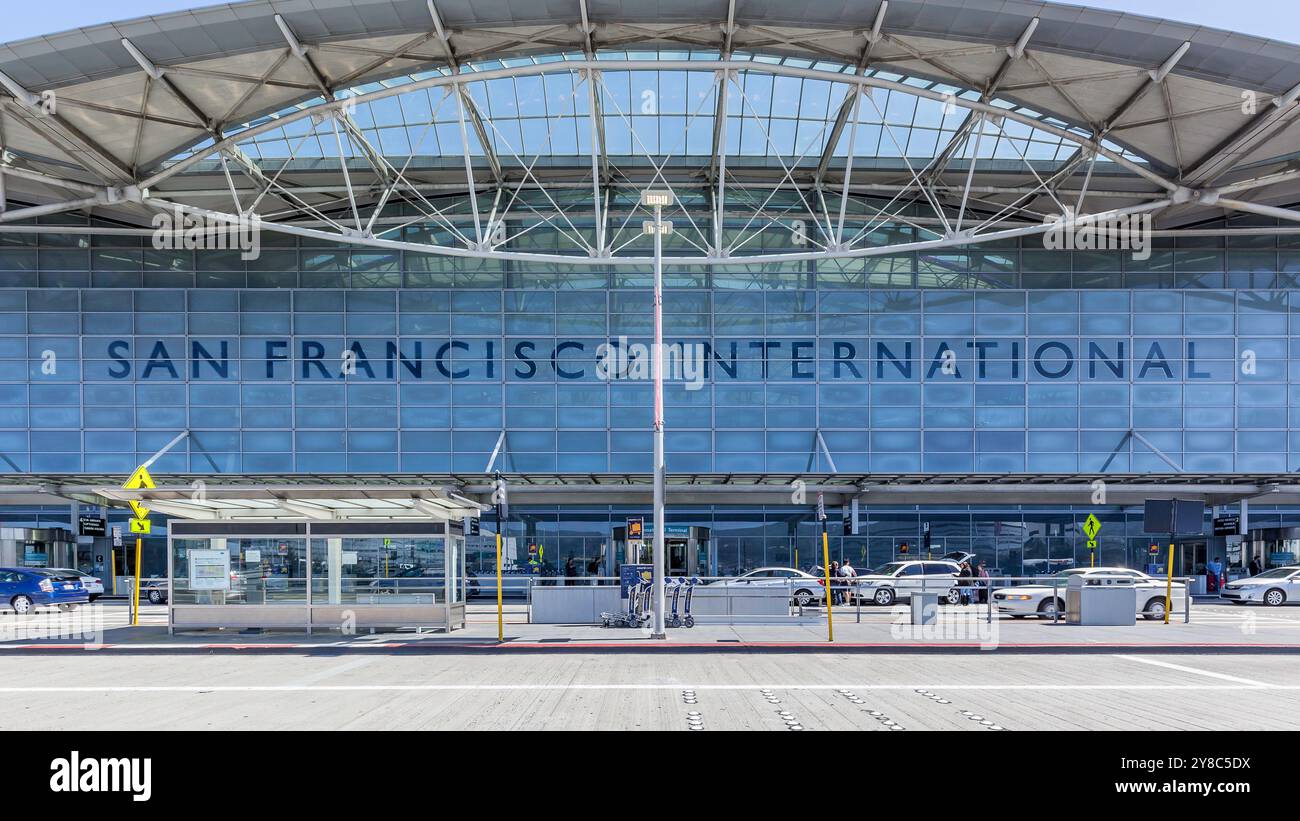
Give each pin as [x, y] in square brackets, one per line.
[1212, 629]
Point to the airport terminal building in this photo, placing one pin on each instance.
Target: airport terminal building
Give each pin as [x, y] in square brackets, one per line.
[966, 272]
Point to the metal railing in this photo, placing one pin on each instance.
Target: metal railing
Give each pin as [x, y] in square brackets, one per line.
[855, 591]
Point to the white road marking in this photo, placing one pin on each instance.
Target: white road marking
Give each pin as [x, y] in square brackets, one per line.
[349, 688]
[1185, 669]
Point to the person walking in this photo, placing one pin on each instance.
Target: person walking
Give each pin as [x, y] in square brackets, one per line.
[1255, 566]
[570, 572]
[850, 586]
[1213, 572]
[593, 569]
[965, 581]
[983, 574]
[834, 592]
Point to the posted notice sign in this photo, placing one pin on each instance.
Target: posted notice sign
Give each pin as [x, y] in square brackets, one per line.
[209, 570]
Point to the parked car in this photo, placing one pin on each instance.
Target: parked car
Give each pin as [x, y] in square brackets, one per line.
[155, 590]
[26, 588]
[805, 588]
[1038, 599]
[93, 584]
[897, 581]
[1272, 587]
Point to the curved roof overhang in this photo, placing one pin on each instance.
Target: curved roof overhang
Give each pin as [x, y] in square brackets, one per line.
[1212, 113]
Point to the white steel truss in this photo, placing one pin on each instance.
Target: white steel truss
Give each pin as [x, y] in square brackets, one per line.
[727, 206]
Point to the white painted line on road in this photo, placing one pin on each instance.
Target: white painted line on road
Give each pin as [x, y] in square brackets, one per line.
[349, 688]
[1185, 669]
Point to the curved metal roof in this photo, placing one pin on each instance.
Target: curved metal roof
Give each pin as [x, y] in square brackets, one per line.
[1203, 108]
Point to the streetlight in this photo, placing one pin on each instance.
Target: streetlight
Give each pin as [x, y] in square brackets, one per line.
[658, 199]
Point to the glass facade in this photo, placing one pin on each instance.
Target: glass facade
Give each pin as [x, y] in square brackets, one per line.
[362, 381]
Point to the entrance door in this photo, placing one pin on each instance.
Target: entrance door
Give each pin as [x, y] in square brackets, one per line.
[1191, 558]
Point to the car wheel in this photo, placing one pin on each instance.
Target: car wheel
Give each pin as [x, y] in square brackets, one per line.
[803, 598]
[155, 597]
[884, 597]
[1049, 608]
[22, 605]
[1155, 609]
[1275, 598]
[94, 596]
[953, 597]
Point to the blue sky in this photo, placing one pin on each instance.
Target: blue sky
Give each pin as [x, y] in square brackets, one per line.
[1267, 18]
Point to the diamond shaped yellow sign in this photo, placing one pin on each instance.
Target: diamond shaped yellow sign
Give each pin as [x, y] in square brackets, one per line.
[1091, 526]
[139, 479]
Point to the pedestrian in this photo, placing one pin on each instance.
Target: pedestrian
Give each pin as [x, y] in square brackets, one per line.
[983, 573]
[1213, 570]
[964, 583]
[570, 572]
[834, 592]
[1255, 567]
[849, 574]
[593, 569]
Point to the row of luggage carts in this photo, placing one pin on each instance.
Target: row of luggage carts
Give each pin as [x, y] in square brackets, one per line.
[639, 611]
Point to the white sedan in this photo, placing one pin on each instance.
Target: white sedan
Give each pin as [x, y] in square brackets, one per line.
[1038, 599]
[805, 588]
[1272, 587]
[93, 584]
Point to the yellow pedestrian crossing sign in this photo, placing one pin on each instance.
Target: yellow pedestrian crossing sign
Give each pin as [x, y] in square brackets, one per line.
[1091, 526]
[140, 511]
[141, 526]
[139, 479]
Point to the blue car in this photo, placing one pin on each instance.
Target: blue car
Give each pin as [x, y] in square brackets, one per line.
[26, 588]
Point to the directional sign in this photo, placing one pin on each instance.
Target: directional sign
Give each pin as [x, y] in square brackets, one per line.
[141, 526]
[140, 511]
[1091, 526]
[1092, 544]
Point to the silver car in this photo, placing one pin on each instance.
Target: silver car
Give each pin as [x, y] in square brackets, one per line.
[805, 588]
[1272, 587]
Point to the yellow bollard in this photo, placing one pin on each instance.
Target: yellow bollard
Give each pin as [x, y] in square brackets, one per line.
[501, 630]
[826, 568]
[1169, 584]
[135, 589]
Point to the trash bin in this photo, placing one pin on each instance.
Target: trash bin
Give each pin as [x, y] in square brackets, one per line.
[1101, 599]
[925, 608]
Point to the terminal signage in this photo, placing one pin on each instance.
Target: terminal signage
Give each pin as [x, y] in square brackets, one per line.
[92, 526]
[1228, 524]
[635, 528]
[907, 359]
[1176, 516]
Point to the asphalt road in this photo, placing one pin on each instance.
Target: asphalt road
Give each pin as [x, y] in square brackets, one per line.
[652, 690]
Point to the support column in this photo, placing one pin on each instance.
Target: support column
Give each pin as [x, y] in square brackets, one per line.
[334, 561]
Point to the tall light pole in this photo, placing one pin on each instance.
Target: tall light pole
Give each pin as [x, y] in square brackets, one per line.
[658, 199]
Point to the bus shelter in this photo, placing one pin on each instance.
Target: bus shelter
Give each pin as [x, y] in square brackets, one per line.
[312, 559]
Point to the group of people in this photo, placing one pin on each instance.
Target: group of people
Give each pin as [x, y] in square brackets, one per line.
[972, 583]
[840, 590]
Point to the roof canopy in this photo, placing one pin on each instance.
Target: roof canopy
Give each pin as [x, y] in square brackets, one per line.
[479, 122]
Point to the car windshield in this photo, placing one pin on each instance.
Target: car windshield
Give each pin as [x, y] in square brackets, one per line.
[888, 569]
[1073, 571]
[1276, 573]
